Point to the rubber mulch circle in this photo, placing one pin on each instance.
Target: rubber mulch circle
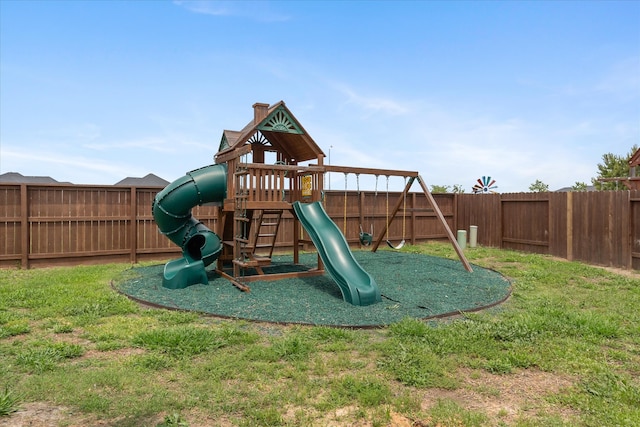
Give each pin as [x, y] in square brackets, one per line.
[412, 285]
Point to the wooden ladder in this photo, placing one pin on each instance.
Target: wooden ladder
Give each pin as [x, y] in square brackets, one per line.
[246, 253]
[266, 227]
[241, 221]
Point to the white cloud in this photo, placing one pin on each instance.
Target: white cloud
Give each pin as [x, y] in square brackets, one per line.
[254, 10]
[207, 7]
[76, 133]
[157, 144]
[370, 103]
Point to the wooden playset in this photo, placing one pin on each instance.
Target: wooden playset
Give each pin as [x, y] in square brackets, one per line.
[270, 167]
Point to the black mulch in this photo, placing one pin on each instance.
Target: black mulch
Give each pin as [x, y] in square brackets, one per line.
[412, 285]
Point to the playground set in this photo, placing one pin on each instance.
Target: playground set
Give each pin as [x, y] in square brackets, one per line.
[257, 176]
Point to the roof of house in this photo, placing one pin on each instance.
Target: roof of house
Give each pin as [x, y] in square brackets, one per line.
[635, 159]
[149, 180]
[567, 189]
[276, 126]
[17, 178]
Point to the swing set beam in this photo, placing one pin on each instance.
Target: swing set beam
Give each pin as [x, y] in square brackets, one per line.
[369, 171]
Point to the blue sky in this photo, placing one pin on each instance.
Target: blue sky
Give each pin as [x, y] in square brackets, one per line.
[95, 91]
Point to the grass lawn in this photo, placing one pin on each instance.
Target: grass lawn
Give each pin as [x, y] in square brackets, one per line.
[564, 350]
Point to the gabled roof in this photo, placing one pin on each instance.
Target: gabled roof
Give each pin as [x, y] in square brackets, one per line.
[150, 180]
[18, 178]
[635, 159]
[567, 189]
[273, 125]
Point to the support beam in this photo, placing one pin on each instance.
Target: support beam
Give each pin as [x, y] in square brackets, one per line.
[438, 212]
[369, 171]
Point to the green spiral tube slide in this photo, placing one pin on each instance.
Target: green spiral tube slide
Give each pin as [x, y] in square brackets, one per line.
[172, 213]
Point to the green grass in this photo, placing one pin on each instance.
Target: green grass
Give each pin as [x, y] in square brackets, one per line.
[564, 350]
[9, 402]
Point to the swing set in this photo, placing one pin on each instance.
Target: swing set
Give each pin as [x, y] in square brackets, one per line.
[370, 238]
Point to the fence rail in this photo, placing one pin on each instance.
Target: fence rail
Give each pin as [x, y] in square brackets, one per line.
[63, 224]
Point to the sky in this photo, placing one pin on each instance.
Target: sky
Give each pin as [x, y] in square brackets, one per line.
[92, 92]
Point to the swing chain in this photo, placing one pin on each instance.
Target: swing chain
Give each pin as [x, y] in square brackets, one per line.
[344, 217]
[387, 208]
[404, 208]
[365, 238]
[404, 216]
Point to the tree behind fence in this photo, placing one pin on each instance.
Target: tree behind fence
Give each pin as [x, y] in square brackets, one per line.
[70, 224]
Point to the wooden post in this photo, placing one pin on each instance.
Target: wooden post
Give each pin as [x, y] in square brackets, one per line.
[438, 212]
[24, 225]
[133, 226]
[320, 193]
[320, 177]
[570, 226]
[296, 195]
[628, 260]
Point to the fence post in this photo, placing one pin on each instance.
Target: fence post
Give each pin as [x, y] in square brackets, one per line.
[133, 225]
[24, 225]
[569, 226]
[628, 262]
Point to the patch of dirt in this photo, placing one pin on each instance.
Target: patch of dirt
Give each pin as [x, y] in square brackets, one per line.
[504, 398]
[632, 274]
[41, 414]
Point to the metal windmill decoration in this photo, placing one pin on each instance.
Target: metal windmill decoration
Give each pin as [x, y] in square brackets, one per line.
[485, 185]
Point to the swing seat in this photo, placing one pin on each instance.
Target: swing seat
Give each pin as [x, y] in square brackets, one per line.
[365, 238]
[400, 245]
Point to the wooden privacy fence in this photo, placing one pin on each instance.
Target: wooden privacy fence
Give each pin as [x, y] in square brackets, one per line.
[62, 224]
[57, 224]
[597, 227]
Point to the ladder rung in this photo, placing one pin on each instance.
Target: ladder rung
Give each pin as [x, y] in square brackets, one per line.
[261, 260]
[269, 224]
[253, 262]
[266, 235]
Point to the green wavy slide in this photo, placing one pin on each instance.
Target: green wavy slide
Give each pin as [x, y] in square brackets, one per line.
[357, 286]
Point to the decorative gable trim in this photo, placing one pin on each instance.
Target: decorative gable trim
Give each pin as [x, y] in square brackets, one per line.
[224, 143]
[280, 121]
[259, 138]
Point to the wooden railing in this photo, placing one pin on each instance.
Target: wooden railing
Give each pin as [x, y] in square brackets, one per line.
[272, 186]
